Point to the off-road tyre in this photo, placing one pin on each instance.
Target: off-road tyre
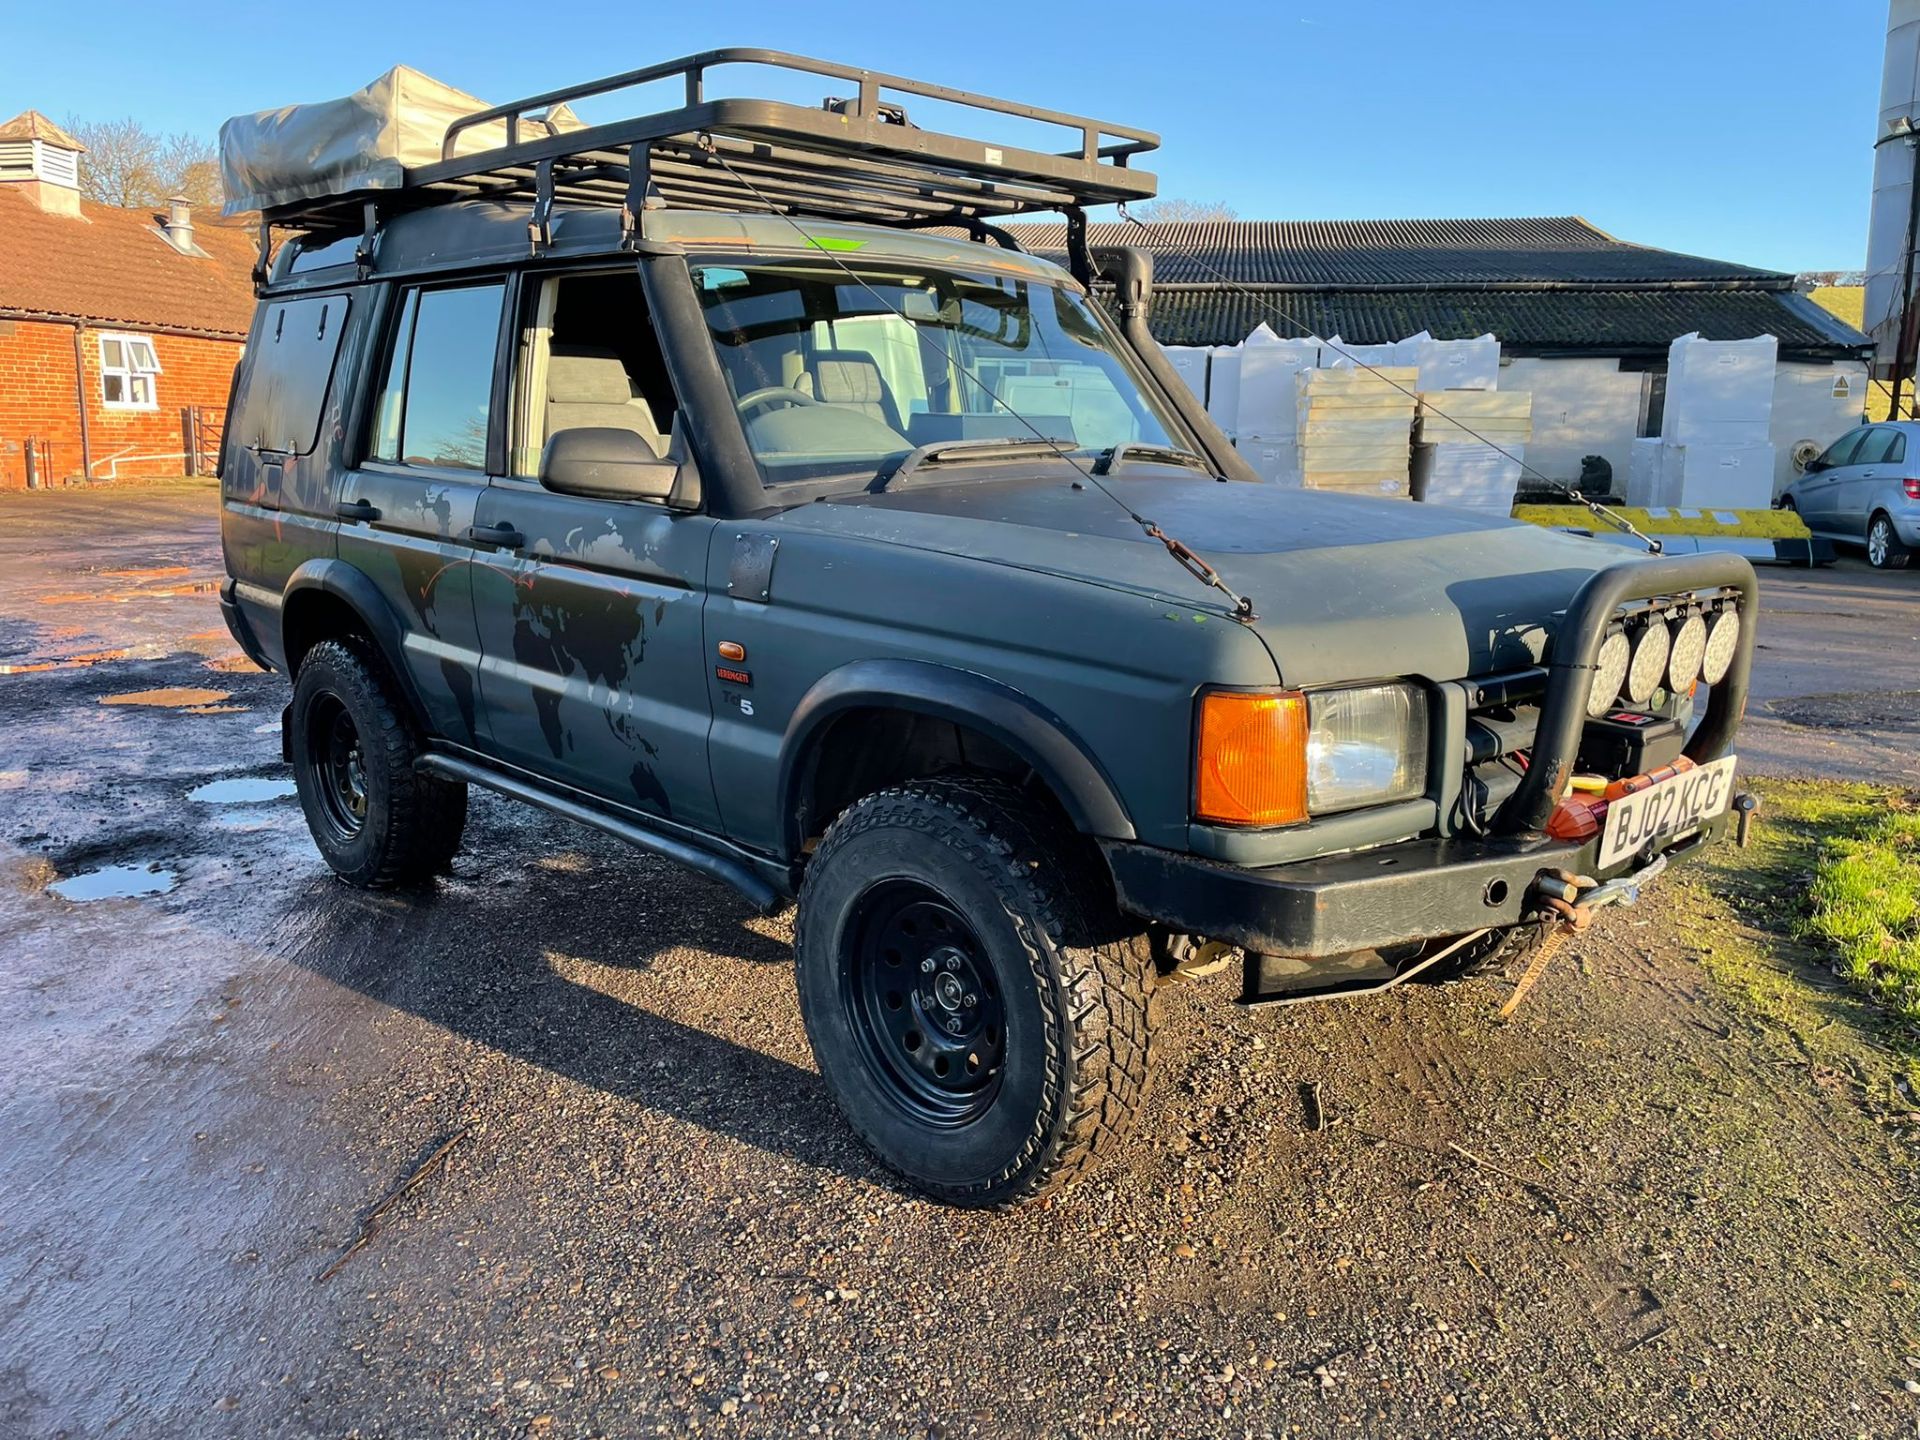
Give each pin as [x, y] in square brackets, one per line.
[1884, 548]
[1073, 982]
[1492, 954]
[376, 820]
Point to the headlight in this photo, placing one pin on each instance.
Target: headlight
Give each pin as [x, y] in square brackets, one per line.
[1609, 673]
[1723, 636]
[1267, 758]
[1649, 662]
[1689, 646]
[1365, 746]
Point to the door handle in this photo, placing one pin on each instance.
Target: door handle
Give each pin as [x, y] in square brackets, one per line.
[501, 536]
[356, 510]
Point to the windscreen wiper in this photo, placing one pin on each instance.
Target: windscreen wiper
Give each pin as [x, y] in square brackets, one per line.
[1009, 447]
[1159, 454]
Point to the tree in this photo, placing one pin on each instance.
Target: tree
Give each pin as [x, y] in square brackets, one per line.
[1184, 212]
[128, 165]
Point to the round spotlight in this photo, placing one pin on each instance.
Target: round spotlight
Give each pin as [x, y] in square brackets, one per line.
[1723, 638]
[1689, 638]
[1649, 662]
[1609, 673]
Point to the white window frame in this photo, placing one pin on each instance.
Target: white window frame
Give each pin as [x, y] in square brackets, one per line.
[134, 372]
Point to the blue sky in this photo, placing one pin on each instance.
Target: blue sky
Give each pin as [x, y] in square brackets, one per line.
[1737, 130]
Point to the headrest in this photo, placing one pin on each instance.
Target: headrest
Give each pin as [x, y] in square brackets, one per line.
[845, 377]
[579, 375]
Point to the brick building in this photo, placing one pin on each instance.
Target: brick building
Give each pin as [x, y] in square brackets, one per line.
[119, 329]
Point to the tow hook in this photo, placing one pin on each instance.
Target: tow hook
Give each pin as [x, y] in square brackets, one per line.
[1571, 901]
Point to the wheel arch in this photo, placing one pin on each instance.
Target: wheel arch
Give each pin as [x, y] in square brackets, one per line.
[973, 703]
[329, 599]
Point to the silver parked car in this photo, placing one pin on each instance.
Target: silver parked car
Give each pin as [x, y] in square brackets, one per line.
[1865, 489]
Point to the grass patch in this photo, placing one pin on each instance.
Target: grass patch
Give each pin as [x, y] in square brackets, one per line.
[1762, 926]
[1866, 904]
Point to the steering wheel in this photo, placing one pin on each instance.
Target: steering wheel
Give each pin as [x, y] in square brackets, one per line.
[773, 395]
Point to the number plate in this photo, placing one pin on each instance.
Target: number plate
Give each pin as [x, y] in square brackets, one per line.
[1677, 803]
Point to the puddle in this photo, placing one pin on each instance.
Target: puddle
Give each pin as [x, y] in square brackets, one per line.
[173, 697]
[234, 663]
[157, 572]
[272, 727]
[216, 710]
[253, 819]
[71, 662]
[116, 882]
[245, 790]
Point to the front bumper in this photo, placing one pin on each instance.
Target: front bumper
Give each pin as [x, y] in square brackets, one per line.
[1368, 900]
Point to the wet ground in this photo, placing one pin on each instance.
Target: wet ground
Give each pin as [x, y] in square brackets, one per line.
[540, 1150]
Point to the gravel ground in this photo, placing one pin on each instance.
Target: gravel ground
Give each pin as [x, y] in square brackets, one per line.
[1642, 1207]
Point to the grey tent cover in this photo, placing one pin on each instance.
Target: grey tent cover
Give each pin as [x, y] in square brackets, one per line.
[364, 141]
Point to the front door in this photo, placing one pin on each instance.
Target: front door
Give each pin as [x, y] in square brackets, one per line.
[408, 509]
[594, 668]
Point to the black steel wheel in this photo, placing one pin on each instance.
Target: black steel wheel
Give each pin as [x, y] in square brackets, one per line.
[976, 1004]
[925, 1003]
[376, 820]
[339, 763]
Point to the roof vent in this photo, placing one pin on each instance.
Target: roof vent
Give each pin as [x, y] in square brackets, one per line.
[179, 225]
[44, 160]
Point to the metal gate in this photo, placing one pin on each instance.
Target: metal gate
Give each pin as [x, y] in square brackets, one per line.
[201, 427]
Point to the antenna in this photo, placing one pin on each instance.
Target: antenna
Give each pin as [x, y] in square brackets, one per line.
[1187, 560]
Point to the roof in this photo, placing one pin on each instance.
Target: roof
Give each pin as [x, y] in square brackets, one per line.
[1543, 284]
[1342, 253]
[32, 125]
[115, 267]
[1528, 322]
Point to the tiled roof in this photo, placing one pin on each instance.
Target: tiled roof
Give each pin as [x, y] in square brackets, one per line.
[1345, 253]
[1611, 322]
[32, 125]
[115, 267]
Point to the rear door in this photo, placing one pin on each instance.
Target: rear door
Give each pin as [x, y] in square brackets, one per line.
[407, 510]
[595, 668]
[276, 501]
[1875, 461]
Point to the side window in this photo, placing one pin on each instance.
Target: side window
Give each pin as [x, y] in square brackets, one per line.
[285, 388]
[1841, 451]
[437, 391]
[1897, 451]
[588, 357]
[1877, 448]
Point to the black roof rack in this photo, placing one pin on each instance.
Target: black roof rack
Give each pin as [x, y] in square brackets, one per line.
[855, 158]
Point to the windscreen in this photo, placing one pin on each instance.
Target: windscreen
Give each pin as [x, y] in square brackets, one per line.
[844, 371]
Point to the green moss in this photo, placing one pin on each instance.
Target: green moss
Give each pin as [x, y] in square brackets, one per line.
[1866, 904]
[1830, 887]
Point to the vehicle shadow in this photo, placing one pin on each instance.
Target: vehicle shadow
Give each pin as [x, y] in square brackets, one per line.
[516, 964]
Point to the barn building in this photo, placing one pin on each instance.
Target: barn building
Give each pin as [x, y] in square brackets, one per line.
[119, 328]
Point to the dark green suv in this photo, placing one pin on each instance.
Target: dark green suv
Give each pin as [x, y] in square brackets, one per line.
[623, 471]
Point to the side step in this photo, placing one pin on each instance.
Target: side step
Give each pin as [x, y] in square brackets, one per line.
[742, 874]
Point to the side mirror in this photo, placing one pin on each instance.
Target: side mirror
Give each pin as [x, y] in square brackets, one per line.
[602, 463]
[1815, 466]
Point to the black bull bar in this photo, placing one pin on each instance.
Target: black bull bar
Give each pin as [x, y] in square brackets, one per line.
[1576, 653]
